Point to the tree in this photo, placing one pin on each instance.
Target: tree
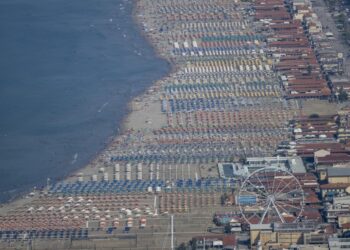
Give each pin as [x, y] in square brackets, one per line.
[182, 247]
[223, 199]
[314, 116]
[227, 229]
[309, 69]
[193, 244]
[343, 95]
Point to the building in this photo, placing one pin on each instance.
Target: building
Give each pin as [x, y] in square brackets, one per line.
[279, 235]
[339, 243]
[292, 164]
[308, 150]
[340, 83]
[334, 189]
[344, 219]
[332, 159]
[315, 128]
[232, 169]
[338, 175]
[344, 124]
[333, 212]
[341, 200]
[309, 247]
[339, 211]
[227, 242]
[259, 233]
[289, 46]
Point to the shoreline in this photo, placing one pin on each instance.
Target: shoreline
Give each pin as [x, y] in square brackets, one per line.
[129, 109]
[200, 138]
[92, 163]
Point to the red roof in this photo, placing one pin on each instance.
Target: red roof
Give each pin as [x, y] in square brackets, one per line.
[335, 186]
[345, 226]
[312, 199]
[289, 39]
[311, 214]
[333, 158]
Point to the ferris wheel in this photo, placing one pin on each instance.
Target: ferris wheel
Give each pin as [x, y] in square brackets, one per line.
[271, 195]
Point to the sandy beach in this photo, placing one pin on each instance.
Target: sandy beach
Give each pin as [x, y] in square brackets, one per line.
[143, 114]
[224, 102]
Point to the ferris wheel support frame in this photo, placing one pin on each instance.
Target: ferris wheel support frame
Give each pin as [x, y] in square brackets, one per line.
[272, 201]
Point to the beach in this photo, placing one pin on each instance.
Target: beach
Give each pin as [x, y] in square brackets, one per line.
[222, 106]
[62, 105]
[148, 126]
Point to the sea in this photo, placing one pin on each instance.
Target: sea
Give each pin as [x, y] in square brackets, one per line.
[68, 69]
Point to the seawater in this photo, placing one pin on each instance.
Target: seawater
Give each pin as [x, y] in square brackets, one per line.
[68, 68]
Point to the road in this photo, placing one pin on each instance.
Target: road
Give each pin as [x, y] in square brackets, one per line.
[329, 25]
